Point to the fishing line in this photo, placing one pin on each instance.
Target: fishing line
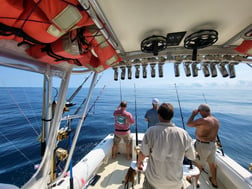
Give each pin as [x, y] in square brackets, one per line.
[182, 118]
[97, 98]
[31, 108]
[22, 153]
[21, 111]
[219, 144]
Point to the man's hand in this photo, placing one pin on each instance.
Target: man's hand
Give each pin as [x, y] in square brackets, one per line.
[139, 165]
[195, 112]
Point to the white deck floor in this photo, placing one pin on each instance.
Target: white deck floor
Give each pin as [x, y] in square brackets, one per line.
[113, 173]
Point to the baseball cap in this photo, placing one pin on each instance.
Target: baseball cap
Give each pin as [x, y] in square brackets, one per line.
[155, 101]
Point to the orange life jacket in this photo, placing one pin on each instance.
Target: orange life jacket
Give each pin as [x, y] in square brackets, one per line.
[101, 48]
[64, 49]
[65, 15]
[245, 47]
[41, 21]
[10, 11]
[78, 47]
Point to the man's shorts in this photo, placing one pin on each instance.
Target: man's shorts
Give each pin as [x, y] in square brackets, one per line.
[147, 185]
[126, 139]
[206, 152]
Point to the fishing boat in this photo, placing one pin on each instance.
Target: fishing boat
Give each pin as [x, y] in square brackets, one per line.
[61, 38]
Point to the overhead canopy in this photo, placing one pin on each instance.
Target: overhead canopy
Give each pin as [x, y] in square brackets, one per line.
[146, 31]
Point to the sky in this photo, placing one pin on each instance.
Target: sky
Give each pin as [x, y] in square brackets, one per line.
[17, 78]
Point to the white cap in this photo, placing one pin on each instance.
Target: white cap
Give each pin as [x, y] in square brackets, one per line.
[155, 101]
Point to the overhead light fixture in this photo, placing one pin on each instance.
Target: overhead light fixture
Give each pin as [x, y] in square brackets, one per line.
[115, 73]
[223, 69]
[144, 70]
[176, 69]
[160, 69]
[199, 40]
[231, 69]
[129, 72]
[195, 69]
[213, 69]
[122, 73]
[187, 68]
[153, 70]
[205, 69]
[137, 67]
[154, 44]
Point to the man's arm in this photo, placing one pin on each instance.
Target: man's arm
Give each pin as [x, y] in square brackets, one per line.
[191, 122]
[141, 157]
[130, 119]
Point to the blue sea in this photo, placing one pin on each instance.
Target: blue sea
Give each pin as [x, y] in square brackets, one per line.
[20, 118]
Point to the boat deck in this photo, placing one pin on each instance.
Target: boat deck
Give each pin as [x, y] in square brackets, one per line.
[112, 175]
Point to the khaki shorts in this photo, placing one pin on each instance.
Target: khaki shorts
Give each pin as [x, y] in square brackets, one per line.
[147, 185]
[126, 139]
[206, 152]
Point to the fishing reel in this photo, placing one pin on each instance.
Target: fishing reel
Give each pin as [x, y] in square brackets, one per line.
[63, 133]
[199, 40]
[61, 154]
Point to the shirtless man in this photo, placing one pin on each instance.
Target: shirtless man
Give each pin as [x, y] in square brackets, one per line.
[206, 133]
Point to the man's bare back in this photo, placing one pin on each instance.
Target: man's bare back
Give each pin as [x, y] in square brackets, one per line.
[207, 131]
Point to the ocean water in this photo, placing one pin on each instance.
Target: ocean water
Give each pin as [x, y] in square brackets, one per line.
[20, 118]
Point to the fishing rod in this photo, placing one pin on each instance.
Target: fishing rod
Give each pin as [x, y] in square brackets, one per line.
[136, 118]
[69, 131]
[120, 91]
[136, 130]
[204, 98]
[83, 101]
[219, 144]
[186, 160]
[97, 98]
[78, 89]
[182, 118]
